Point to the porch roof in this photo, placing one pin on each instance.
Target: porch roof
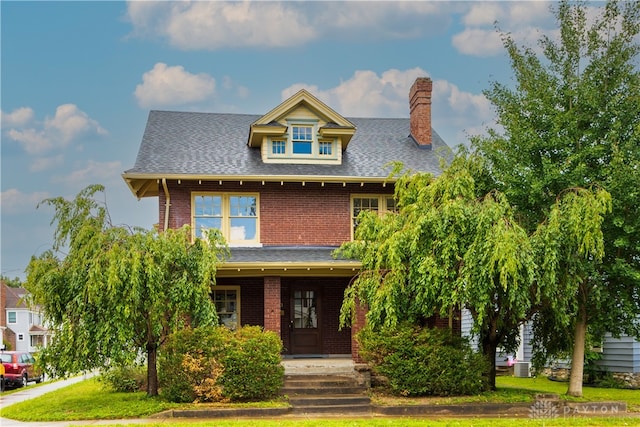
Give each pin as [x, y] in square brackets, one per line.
[287, 261]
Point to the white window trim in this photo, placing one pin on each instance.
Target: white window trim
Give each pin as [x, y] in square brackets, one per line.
[382, 206]
[302, 158]
[226, 218]
[15, 318]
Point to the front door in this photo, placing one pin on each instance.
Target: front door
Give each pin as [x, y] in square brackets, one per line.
[305, 323]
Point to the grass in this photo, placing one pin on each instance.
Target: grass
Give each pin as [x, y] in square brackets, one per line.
[519, 390]
[89, 400]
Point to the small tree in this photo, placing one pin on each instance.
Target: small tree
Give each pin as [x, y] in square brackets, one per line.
[118, 292]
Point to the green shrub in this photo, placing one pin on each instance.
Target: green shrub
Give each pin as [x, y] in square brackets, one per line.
[215, 364]
[252, 368]
[423, 361]
[125, 378]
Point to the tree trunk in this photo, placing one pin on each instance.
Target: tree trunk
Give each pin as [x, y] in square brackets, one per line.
[489, 345]
[152, 369]
[577, 359]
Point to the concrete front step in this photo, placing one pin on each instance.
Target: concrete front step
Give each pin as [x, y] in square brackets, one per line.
[312, 391]
[295, 385]
[326, 394]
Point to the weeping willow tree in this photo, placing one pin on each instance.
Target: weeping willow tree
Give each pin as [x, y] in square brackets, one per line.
[117, 292]
[449, 246]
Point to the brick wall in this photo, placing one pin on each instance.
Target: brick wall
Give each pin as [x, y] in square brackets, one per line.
[290, 214]
[272, 304]
[251, 299]
[256, 292]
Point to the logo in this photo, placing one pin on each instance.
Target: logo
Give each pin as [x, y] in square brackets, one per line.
[544, 409]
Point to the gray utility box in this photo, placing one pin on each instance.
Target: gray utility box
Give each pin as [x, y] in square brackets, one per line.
[522, 369]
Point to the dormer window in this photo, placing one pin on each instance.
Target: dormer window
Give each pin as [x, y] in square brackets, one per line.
[325, 148]
[302, 139]
[278, 147]
[301, 130]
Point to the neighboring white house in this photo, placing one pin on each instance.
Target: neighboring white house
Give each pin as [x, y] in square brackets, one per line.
[22, 326]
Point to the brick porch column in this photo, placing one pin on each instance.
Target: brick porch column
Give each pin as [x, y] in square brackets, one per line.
[272, 319]
[356, 326]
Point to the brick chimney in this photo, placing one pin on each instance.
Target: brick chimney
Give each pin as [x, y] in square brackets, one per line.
[420, 111]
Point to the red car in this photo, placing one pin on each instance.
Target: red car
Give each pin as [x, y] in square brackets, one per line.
[19, 368]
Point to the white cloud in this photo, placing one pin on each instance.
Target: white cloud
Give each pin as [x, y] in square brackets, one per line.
[524, 21]
[32, 140]
[210, 25]
[70, 122]
[214, 24]
[456, 113]
[165, 85]
[17, 118]
[366, 94]
[14, 202]
[67, 125]
[478, 42]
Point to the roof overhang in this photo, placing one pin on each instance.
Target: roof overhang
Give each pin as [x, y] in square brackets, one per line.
[289, 269]
[149, 185]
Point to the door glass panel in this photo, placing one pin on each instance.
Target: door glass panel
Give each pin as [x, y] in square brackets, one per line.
[304, 310]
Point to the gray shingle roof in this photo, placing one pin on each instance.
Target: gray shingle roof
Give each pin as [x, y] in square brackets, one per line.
[284, 254]
[214, 144]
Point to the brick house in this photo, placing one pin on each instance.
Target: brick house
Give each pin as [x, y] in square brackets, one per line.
[284, 188]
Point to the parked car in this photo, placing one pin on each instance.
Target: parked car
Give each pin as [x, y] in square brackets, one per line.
[19, 368]
[1, 376]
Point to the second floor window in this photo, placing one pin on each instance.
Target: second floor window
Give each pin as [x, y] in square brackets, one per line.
[380, 204]
[235, 215]
[325, 148]
[278, 147]
[12, 317]
[302, 139]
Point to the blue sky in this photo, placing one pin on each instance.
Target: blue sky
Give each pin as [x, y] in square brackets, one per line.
[78, 80]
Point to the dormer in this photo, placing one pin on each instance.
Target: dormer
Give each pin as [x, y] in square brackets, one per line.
[301, 130]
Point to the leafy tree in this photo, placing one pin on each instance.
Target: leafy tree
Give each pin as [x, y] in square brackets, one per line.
[572, 120]
[118, 292]
[12, 283]
[451, 246]
[447, 247]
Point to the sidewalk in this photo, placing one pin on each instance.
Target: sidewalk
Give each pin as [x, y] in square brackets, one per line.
[31, 392]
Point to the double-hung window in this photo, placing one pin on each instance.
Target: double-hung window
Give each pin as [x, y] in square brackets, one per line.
[381, 204]
[235, 215]
[12, 317]
[302, 139]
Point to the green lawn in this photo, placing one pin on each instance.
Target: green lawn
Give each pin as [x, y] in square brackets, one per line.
[514, 390]
[89, 400]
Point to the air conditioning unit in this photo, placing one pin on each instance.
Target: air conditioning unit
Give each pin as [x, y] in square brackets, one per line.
[522, 369]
